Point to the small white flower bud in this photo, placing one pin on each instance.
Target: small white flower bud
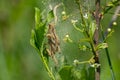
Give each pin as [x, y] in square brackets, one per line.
[85, 16]
[114, 23]
[67, 36]
[63, 12]
[74, 21]
[109, 29]
[76, 62]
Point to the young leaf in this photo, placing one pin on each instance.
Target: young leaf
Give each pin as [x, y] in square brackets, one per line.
[76, 74]
[92, 28]
[85, 40]
[102, 46]
[38, 34]
[37, 17]
[65, 73]
[84, 73]
[50, 16]
[32, 40]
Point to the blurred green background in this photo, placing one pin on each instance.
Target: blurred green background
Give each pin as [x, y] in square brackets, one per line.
[20, 61]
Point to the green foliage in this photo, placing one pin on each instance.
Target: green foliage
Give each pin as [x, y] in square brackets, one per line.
[38, 38]
[39, 32]
[50, 16]
[66, 72]
[92, 28]
[20, 61]
[91, 72]
[102, 46]
[88, 30]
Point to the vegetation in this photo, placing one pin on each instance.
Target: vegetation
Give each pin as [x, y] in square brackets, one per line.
[71, 37]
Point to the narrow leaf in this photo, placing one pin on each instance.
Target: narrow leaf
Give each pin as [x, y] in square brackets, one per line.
[92, 28]
[91, 73]
[32, 40]
[50, 16]
[102, 46]
[84, 73]
[37, 17]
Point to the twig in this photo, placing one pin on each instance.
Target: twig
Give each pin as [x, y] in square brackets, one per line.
[96, 37]
[47, 67]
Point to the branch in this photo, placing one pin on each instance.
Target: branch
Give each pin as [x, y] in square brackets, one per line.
[96, 37]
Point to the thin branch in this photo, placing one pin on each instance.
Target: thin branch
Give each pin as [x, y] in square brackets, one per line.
[86, 32]
[96, 37]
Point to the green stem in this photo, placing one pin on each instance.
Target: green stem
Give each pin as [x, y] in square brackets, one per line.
[86, 32]
[110, 64]
[108, 57]
[92, 42]
[46, 65]
[83, 62]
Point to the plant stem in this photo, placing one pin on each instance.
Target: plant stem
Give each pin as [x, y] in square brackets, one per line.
[86, 32]
[108, 57]
[110, 64]
[96, 37]
[46, 65]
[84, 62]
[93, 42]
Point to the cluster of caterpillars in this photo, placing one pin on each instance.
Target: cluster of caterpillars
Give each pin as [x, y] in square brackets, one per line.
[53, 42]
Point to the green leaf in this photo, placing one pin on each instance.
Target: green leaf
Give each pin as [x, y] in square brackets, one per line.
[45, 54]
[91, 73]
[76, 74]
[50, 16]
[85, 40]
[83, 47]
[32, 40]
[110, 4]
[84, 73]
[38, 34]
[92, 28]
[102, 46]
[65, 73]
[37, 17]
[38, 40]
